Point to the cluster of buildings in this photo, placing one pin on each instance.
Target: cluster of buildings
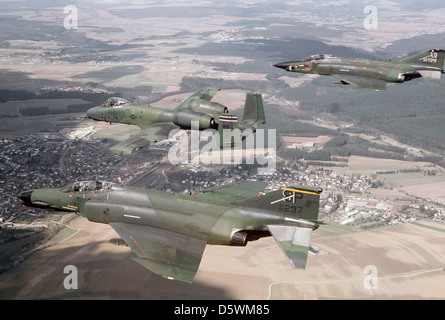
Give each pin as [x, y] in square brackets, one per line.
[73, 88]
[49, 57]
[354, 209]
[46, 160]
[78, 133]
[342, 200]
[439, 216]
[236, 34]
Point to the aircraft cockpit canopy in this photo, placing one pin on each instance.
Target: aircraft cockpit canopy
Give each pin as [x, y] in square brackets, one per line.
[115, 102]
[319, 57]
[81, 186]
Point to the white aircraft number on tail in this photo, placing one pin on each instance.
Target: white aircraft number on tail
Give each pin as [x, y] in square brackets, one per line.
[432, 58]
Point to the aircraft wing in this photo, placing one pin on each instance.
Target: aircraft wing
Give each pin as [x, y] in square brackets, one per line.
[231, 193]
[361, 82]
[154, 133]
[169, 254]
[206, 93]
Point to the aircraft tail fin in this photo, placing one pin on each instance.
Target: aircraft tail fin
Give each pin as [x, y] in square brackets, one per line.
[231, 132]
[433, 58]
[253, 114]
[299, 205]
[294, 202]
[254, 109]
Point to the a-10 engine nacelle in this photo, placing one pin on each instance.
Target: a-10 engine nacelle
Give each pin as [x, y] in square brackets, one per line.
[205, 106]
[185, 118]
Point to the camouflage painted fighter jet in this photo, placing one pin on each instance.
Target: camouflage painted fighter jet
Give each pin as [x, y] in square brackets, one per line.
[169, 232]
[196, 113]
[372, 74]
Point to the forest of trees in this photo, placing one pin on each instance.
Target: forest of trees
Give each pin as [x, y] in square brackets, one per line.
[412, 112]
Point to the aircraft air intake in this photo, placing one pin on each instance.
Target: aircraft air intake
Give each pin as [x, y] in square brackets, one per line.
[209, 107]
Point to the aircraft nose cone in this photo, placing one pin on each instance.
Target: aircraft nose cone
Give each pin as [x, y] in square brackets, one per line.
[285, 65]
[25, 196]
[280, 65]
[90, 113]
[93, 113]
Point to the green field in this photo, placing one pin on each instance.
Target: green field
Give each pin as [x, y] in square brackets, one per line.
[409, 178]
[429, 227]
[62, 235]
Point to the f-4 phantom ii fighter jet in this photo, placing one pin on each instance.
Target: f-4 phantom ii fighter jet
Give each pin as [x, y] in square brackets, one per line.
[196, 113]
[169, 232]
[372, 74]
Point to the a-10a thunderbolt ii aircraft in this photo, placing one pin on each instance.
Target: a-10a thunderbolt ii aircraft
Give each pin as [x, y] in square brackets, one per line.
[169, 232]
[372, 74]
[197, 113]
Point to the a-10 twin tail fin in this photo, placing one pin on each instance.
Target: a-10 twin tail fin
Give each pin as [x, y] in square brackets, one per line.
[231, 132]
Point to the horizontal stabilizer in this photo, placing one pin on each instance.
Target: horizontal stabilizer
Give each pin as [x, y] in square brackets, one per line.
[294, 241]
[433, 77]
